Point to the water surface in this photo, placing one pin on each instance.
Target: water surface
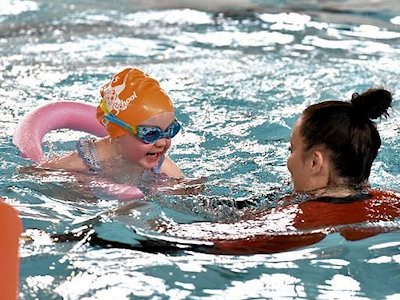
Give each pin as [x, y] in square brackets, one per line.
[239, 73]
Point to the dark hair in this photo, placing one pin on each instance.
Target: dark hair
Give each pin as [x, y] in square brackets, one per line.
[347, 131]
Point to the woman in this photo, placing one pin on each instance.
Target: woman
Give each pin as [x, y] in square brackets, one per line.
[334, 144]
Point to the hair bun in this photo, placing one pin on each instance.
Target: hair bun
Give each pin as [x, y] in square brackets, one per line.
[373, 103]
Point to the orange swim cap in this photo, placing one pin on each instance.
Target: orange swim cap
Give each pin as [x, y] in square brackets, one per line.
[132, 96]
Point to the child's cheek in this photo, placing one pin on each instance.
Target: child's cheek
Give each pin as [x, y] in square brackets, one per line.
[133, 149]
[138, 151]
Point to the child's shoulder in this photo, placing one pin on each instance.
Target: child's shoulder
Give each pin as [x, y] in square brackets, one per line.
[170, 168]
[70, 162]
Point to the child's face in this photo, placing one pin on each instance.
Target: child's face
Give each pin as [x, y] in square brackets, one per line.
[142, 154]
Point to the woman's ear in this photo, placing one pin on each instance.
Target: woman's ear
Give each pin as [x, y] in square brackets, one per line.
[316, 161]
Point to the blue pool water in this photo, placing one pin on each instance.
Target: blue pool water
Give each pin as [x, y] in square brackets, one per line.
[239, 73]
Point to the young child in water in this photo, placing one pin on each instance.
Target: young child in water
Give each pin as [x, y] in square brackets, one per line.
[140, 120]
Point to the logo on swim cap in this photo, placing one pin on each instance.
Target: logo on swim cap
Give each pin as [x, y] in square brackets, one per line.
[111, 95]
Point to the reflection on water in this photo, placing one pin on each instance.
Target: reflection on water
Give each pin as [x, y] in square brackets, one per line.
[239, 72]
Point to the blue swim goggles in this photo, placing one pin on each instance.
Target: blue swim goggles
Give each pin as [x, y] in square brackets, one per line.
[146, 134]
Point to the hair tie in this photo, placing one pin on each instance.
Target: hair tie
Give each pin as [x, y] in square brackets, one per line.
[355, 96]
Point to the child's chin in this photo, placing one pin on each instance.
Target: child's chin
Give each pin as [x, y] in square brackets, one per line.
[148, 165]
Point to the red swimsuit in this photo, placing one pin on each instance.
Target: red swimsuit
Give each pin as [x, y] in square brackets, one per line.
[312, 220]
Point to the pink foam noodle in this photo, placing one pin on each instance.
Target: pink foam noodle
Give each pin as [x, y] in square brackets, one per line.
[55, 115]
[121, 191]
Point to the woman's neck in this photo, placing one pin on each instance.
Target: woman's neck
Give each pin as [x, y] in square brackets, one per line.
[335, 191]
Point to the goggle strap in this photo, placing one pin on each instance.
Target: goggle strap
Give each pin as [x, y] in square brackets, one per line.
[104, 108]
[113, 119]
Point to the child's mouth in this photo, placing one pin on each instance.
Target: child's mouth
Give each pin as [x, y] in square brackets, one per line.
[153, 155]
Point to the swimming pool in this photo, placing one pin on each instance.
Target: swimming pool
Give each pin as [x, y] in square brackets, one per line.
[238, 79]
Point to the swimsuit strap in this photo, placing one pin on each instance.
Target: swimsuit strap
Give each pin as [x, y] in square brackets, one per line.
[88, 153]
[157, 168]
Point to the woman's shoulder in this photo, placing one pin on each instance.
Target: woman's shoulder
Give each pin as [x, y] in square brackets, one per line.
[385, 195]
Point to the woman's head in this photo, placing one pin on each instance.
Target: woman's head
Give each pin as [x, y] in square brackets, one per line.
[344, 133]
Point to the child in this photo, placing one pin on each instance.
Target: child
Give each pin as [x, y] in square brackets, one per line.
[140, 120]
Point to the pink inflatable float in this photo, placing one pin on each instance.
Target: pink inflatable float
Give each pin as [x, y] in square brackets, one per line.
[64, 114]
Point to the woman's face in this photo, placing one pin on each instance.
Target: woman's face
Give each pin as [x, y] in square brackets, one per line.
[297, 161]
[142, 154]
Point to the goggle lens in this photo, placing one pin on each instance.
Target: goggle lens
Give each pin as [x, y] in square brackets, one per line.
[148, 134]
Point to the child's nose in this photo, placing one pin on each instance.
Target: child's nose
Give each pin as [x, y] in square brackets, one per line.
[161, 142]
